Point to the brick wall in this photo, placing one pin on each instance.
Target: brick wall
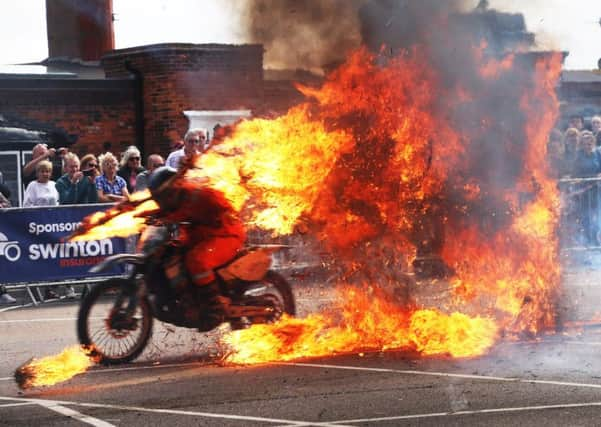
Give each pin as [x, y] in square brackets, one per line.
[96, 111]
[280, 95]
[178, 77]
[175, 78]
[582, 98]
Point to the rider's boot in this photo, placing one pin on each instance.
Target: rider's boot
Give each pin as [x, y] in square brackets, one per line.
[217, 303]
[210, 293]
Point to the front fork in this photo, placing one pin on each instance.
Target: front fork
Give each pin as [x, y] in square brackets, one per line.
[123, 317]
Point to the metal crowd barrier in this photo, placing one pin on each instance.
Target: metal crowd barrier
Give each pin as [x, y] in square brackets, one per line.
[580, 224]
[35, 251]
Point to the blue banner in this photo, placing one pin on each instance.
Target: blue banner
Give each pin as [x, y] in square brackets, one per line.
[34, 245]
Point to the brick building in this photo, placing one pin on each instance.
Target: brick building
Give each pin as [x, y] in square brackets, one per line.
[580, 94]
[168, 79]
[110, 99]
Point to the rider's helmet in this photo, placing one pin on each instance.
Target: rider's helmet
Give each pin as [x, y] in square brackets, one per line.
[159, 186]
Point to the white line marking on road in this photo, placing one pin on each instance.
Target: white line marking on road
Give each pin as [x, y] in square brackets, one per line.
[445, 374]
[593, 343]
[52, 404]
[131, 368]
[474, 412]
[68, 412]
[9, 405]
[51, 319]
[14, 307]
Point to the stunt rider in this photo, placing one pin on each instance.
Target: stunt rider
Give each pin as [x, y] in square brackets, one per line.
[212, 233]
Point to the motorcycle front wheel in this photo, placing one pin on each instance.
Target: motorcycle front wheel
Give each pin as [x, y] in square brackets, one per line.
[113, 322]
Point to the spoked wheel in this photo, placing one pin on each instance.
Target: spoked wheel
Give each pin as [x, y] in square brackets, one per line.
[114, 322]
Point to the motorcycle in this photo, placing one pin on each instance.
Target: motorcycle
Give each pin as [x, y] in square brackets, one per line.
[116, 316]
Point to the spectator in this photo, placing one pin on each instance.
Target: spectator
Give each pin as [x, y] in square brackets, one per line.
[4, 194]
[110, 186]
[42, 152]
[596, 129]
[154, 161]
[75, 187]
[90, 163]
[572, 145]
[576, 121]
[41, 192]
[130, 167]
[194, 143]
[5, 297]
[588, 161]
[587, 164]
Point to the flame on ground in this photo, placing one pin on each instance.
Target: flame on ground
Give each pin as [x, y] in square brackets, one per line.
[52, 370]
[368, 323]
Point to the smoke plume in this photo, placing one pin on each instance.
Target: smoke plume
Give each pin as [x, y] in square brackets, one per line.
[303, 34]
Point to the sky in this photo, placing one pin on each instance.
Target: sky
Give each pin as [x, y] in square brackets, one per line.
[570, 25]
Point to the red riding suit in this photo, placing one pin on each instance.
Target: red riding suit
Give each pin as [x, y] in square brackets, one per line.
[213, 233]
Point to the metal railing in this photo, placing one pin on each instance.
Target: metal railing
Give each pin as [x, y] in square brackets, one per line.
[580, 224]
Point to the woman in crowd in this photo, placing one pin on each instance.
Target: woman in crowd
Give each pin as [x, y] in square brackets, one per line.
[42, 191]
[556, 155]
[90, 165]
[571, 146]
[111, 187]
[130, 167]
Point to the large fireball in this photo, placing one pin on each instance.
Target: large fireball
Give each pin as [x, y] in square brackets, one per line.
[387, 161]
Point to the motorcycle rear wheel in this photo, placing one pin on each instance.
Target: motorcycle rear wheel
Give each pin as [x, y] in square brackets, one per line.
[276, 293]
[103, 324]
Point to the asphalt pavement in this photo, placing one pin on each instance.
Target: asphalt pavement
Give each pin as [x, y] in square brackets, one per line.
[552, 380]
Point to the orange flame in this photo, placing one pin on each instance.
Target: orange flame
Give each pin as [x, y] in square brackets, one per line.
[272, 165]
[506, 276]
[52, 370]
[377, 166]
[368, 323]
[117, 221]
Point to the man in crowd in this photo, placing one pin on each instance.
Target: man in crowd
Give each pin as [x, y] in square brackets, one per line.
[153, 162]
[576, 121]
[596, 129]
[75, 187]
[42, 152]
[194, 143]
